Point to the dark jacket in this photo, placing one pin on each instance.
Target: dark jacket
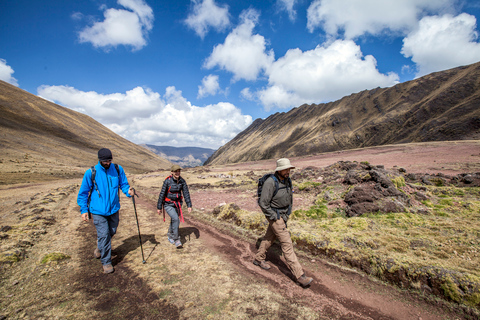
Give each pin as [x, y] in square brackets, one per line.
[279, 205]
[172, 191]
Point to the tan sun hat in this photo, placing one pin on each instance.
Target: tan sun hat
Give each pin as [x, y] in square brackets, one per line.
[283, 164]
[176, 167]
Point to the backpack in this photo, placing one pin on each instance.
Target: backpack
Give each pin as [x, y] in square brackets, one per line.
[262, 180]
[94, 184]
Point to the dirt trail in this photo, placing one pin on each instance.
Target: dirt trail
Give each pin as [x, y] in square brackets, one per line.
[211, 278]
[128, 295]
[336, 293]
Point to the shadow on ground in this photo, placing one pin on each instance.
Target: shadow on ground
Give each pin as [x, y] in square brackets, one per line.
[121, 294]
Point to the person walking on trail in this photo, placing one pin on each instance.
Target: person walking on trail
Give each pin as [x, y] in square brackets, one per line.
[98, 198]
[276, 201]
[171, 200]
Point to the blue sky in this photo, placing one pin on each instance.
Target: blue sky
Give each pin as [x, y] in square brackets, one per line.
[198, 72]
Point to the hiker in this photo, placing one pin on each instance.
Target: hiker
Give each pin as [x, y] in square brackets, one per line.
[98, 198]
[275, 200]
[171, 200]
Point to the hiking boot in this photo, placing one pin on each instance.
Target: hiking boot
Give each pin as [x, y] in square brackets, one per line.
[304, 280]
[178, 244]
[171, 240]
[97, 253]
[262, 264]
[107, 268]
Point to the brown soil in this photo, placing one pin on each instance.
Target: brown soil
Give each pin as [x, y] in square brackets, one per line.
[213, 276]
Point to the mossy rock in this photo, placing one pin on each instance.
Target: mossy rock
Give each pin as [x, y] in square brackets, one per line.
[10, 257]
[54, 257]
[249, 220]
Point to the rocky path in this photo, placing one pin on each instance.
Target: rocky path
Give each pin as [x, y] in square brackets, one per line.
[211, 278]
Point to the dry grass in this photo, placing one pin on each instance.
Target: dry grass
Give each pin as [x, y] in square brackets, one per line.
[45, 282]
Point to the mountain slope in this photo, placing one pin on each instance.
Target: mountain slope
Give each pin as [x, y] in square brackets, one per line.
[441, 106]
[183, 156]
[41, 140]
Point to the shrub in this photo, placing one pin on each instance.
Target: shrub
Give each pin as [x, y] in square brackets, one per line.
[399, 182]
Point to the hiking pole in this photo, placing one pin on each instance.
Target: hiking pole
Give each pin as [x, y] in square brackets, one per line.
[138, 227]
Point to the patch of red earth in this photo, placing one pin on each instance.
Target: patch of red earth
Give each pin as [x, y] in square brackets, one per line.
[433, 157]
[207, 200]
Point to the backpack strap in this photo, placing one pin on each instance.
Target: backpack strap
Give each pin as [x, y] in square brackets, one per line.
[94, 183]
[277, 186]
[288, 184]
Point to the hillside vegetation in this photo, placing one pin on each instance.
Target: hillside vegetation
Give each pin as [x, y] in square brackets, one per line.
[41, 141]
[441, 106]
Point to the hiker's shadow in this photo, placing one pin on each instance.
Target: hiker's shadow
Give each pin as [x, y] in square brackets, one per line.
[131, 244]
[186, 233]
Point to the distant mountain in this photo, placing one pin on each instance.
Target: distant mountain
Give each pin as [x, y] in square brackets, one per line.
[40, 140]
[441, 106]
[183, 156]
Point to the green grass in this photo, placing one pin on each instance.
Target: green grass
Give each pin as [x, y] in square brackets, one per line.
[54, 257]
[307, 185]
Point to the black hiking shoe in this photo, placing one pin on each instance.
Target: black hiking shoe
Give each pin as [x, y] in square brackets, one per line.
[262, 264]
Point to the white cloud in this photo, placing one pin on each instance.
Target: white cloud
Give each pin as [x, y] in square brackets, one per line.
[442, 43]
[143, 116]
[247, 94]
[243, 53]
[210, 86]
[6, 73]
[287, 5]
[121, 27]
[326, 73]
[207, 14]
[356, 18]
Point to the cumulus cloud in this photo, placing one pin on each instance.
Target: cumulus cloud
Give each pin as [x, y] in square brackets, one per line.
[287, 5]
[325, 73]
[6, 73]
[206, 14]
[243, 53]
[143, 116]
[121, 27]
[442, 43]
[356, 18]
[210, 86]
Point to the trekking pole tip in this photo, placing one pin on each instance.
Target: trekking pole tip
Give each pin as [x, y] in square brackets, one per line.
[144, 261]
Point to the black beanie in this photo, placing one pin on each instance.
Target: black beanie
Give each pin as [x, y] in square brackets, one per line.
[104, 154]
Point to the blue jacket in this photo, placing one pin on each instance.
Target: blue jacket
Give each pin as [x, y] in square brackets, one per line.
[108, 183]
